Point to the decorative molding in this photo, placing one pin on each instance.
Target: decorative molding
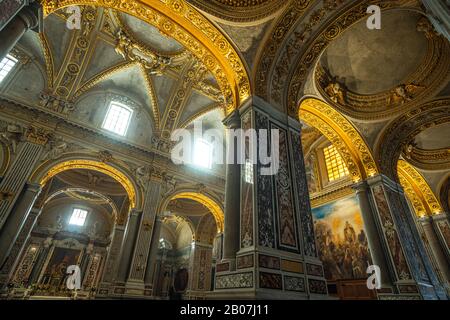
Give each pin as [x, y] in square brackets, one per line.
[305, 57]
[342, 134]
[179, 20]
[102, 167]
[415, 187]
[402, 130]
[240, 11]
[424, 82]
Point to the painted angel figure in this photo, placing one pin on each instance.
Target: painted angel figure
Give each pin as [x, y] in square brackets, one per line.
[403, 93]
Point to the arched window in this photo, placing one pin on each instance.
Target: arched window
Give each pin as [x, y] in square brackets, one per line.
[203, 152]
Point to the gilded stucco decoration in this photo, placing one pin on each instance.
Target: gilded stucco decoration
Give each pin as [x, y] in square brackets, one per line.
[294, 47]
[402, 130]
[179, 20]
[425, 81]
[102, 167]
[209, 203]
[342, 134]
[436, 159]
[79, 194]
[240, 10]
[304, 62]
[417, 189]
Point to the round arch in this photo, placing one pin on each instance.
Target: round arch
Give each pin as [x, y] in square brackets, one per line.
[444, 191]
[404, 128]
[417, 189]
[113, 206]
[179, 20]
[208, 201]
[342, 134]
[48, 170]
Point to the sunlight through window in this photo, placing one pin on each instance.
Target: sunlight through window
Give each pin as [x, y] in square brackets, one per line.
[203, 154]
[118, 118]
[6, 66]
[78, 217]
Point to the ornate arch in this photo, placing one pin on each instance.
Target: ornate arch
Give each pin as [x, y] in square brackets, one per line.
[344, 136]
[206, 228]
[444, 192]
[294, 47]
[205, 199]
[179, 20]
[417, 189]
[111, 203]
[49, 169]
[402, 130]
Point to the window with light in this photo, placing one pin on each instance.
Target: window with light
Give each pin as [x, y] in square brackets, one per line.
[248, 171]
[117, 118]
[336, 168]
[6, 65]
[203, 152]
[78, 217]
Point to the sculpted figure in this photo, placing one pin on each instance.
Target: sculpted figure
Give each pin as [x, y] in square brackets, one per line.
[336, 92]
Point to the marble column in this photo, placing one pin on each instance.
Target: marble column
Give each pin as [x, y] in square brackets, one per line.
[277, 257]
[15, 222]
[232, 194]
[28, 18]
[430, 225]
[150, 280]
[15, 253]
[413, 269]
[128, 244]
[374, 239]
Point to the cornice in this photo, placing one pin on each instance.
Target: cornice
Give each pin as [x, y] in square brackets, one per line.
[16, 112]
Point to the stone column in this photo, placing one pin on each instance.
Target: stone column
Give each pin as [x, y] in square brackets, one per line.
[431, 227]
[135, 282]
[15, 221]
[111, 265]
[15, 253]
[374, 239]
[149, 279]
[128, 244]
[15, 178]
[37, 268]
[232, 194]
[277, 258]
[28, 18]
[413, 269]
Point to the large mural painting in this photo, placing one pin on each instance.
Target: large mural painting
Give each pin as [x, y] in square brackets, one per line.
[341, 239]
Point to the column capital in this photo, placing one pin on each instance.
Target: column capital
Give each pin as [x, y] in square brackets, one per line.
[32, 16]
[440, 216]
[385, 180]
[361, 186]
[34, 187]
[233, 120]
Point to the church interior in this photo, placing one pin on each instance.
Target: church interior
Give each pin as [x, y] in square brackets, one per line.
[92, 92]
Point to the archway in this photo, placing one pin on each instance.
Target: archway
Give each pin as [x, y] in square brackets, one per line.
[342, 134]
[49, 169]
[178, 19]
[418, 191]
